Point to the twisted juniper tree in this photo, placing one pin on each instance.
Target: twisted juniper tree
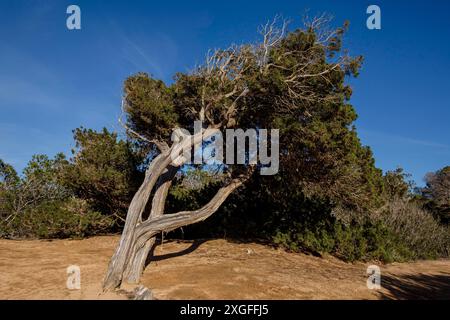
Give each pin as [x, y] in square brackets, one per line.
[284, 76]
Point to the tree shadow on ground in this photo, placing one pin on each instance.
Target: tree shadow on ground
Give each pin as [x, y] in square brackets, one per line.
[416, 287]
[196, 243]
[152, 258]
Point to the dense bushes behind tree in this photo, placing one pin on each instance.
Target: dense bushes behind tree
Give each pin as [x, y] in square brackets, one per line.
[400, 230]
[85, 195]
[69, 218]
[37, 205]
[103, 170]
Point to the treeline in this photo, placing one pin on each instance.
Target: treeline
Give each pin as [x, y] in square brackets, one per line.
[328, 197]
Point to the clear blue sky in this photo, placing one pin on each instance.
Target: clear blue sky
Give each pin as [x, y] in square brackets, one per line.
[53, 80]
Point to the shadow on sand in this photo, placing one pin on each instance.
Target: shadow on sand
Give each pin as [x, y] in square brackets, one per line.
[151, 257]
[417, 287]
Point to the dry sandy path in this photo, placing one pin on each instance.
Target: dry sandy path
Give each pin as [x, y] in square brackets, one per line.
[213, 269]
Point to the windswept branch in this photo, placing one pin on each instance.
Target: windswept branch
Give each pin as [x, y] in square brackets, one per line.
[171, 222]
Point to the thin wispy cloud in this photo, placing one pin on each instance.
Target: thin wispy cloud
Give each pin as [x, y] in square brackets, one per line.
[145, 50]
[139, 59]
[396, 139]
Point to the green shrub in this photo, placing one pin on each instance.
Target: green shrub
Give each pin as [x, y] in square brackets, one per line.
[63, 219]
[416, 229]
[402, 232]
[366, 241]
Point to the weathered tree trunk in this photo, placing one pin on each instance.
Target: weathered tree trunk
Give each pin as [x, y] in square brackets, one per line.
[120, 258]
[137, 262]
[137, 237]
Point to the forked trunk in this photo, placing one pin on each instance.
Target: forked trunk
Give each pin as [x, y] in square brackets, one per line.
[121, 257]
[139, 257]
[137, 237]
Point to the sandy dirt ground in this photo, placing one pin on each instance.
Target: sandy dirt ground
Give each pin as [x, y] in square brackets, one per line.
[211, 269]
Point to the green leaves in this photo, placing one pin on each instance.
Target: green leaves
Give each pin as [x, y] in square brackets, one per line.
[103, 171]
[149, 107]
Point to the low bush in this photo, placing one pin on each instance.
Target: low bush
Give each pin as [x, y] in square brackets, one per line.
[356, 241]
[71, 218]
[417, 229]
[402, 232]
